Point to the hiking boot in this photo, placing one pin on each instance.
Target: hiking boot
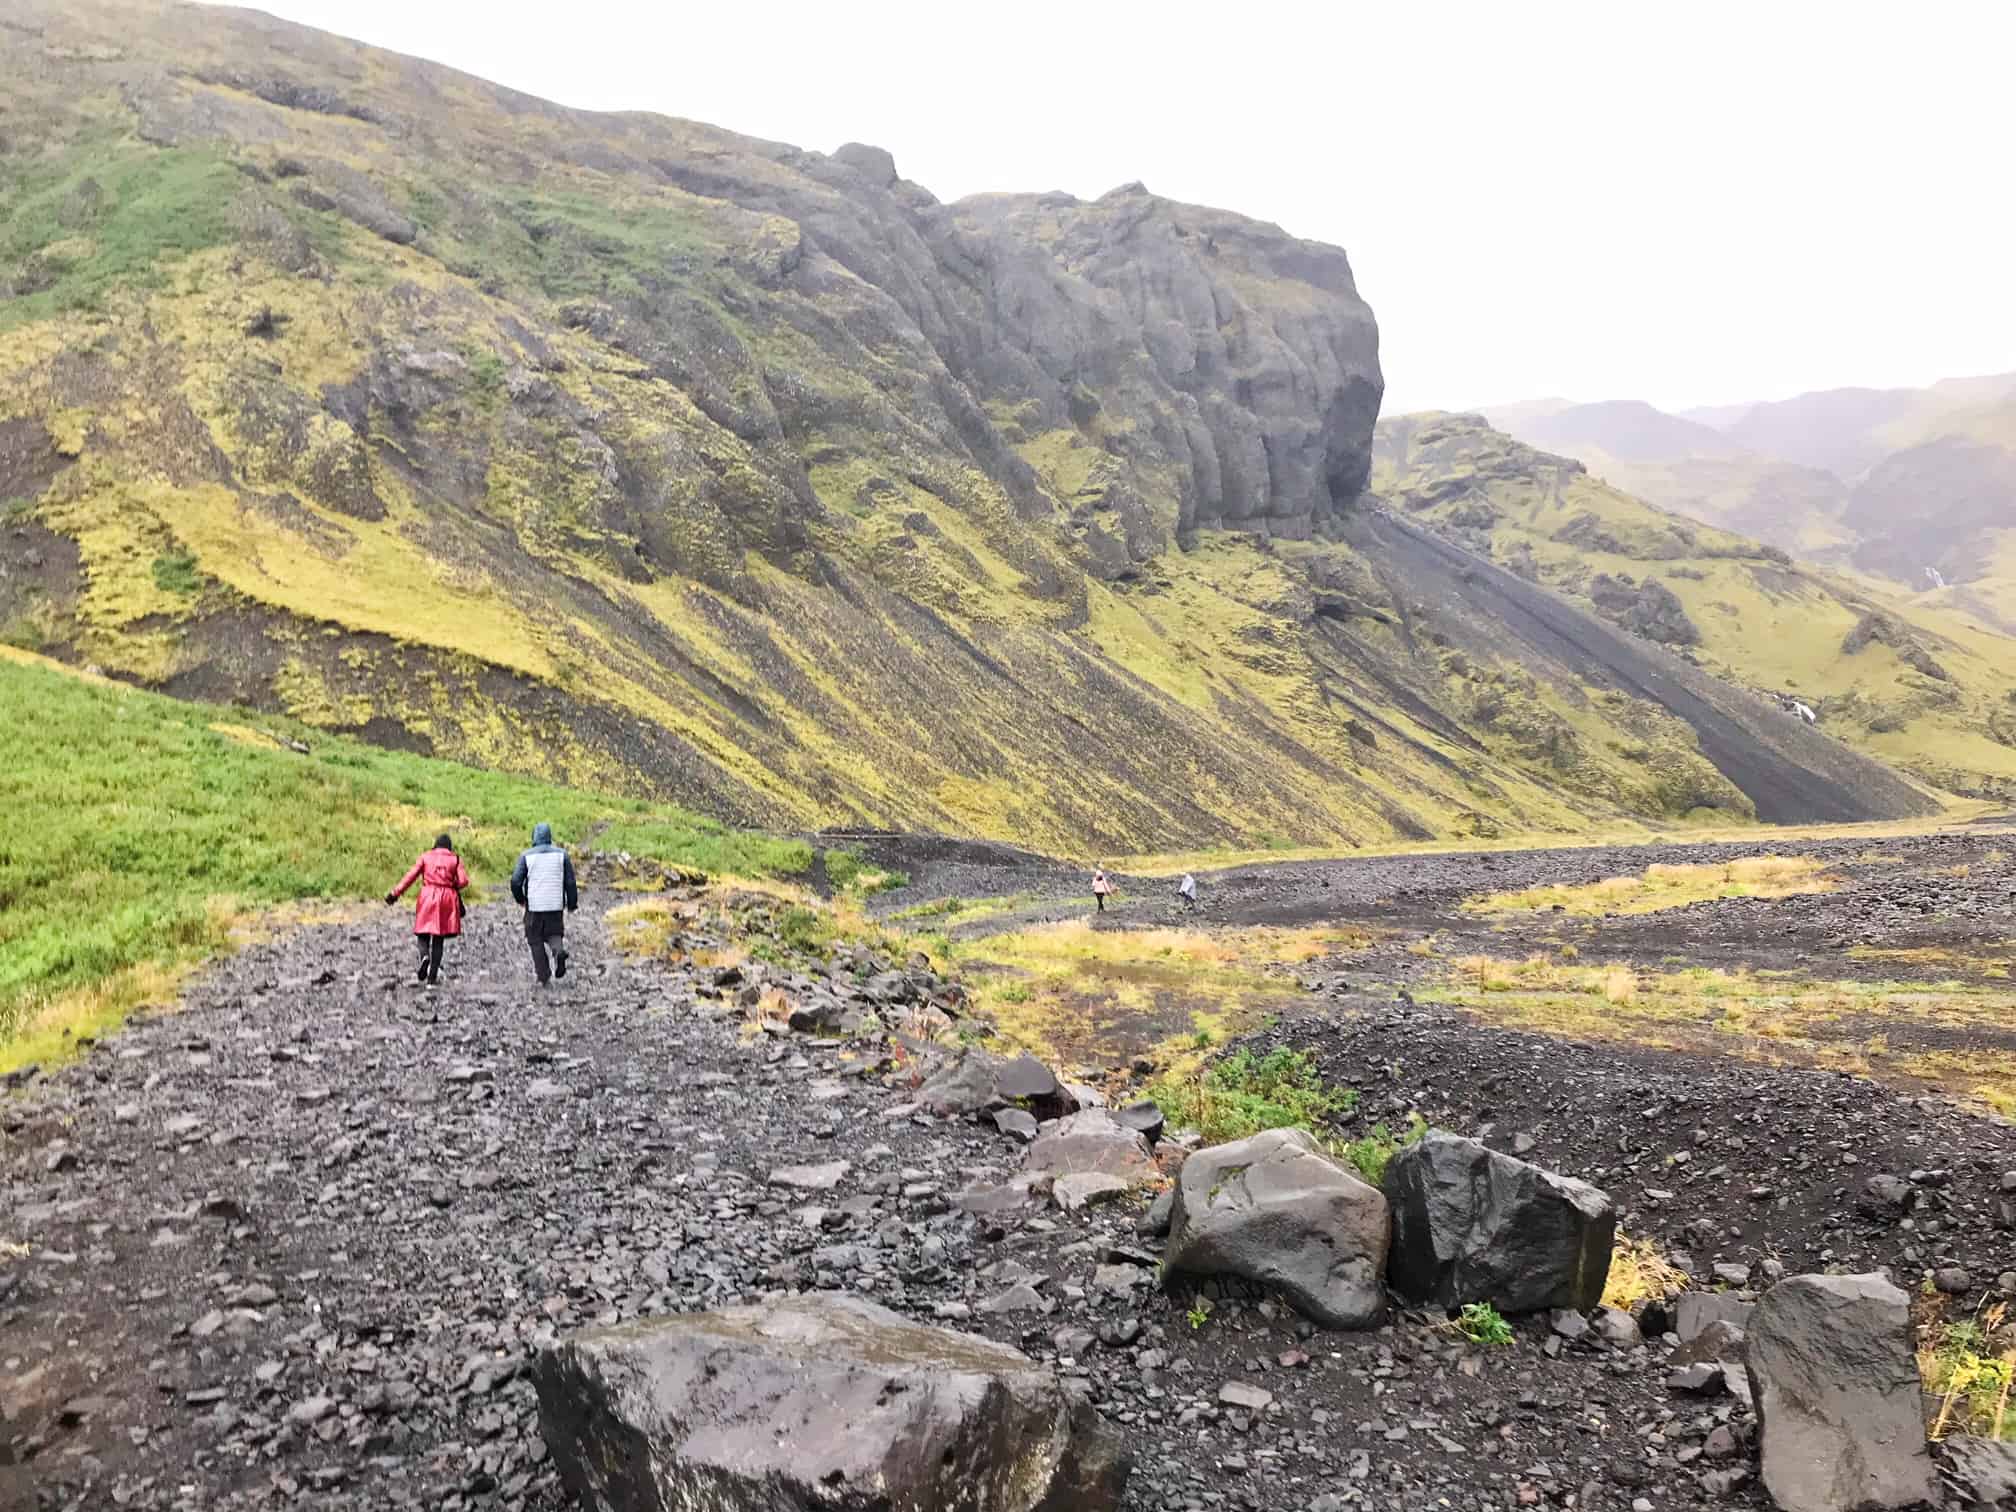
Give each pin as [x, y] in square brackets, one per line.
[560, 964]
[423, 972]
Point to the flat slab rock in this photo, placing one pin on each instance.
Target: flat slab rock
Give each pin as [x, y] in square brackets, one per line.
[1087, 1142]
[1839, 1411]
[824, 1400]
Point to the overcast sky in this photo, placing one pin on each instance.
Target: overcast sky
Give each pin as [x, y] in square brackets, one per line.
[1683, 202]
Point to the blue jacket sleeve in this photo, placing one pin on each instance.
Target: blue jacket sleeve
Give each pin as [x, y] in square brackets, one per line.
[518, 882]
[567, 871]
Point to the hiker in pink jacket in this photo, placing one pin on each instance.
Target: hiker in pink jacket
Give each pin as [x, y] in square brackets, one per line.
[1101, 886]
[439, 912]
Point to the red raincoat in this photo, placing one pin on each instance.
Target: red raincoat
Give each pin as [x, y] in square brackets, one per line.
[442, 878]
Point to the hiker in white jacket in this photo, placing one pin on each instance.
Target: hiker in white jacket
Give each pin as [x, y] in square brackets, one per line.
[543, 885]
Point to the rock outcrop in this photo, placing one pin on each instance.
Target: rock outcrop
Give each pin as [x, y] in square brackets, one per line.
[1472, 1225]
[692, 1410]
[1838, 1397]
[1277, 1211]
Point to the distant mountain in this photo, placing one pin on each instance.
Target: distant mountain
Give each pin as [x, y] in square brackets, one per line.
[1915, 485]
[1627, 430]
[1904, 677]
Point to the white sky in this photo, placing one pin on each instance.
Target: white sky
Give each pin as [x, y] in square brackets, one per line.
[1684, 202]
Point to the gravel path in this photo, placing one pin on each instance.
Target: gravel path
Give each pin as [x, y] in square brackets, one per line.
[294, 1244]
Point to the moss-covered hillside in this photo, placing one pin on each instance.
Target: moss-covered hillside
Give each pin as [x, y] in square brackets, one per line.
[627, 452]
[1915, 683]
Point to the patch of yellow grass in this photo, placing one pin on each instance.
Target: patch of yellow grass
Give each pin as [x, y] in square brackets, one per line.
[56, 1030]
[1639, 1273]
[1771, 1018]
[247, 736]
[1662, 887]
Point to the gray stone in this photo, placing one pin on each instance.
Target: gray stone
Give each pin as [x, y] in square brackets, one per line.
[1276, 1210]
[811, 1178]
[1016, 1122]
[688, 1410]
[967, 1086]
[1161, 1213]
[1090, 1141]
[1246, 1398]
[1982, 1471]
[1696, 1310]
[1144, 1118]
[1838, 1396]
[1616, 1326]
[1473, 1225]
[1083, 1189]
[1721, 1342]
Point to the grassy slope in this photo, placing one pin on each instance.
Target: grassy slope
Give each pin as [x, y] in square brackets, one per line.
[142, 831]
[868, 629]
[1763, 621]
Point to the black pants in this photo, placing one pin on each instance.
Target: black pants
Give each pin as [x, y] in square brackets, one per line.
[430, 956]
[540, 928]
[1100, 899]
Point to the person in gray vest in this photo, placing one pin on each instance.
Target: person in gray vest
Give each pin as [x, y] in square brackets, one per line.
[543, 885]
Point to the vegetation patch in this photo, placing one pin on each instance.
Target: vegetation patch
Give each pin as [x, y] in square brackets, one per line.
[1481, 1323]
[1864, 1028]
[104, 217]
[848, 870]
[1968, 1365]
[1059, 990]
[1242, 1094]
[1639, 1273]
[1663, 887]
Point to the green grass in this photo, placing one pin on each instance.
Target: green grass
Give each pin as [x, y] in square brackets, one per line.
[73, 247]
[848, 870]
[176, 573]
[1244, 1094]
[1481, 1323]
[1370, 1153]
[138, 835]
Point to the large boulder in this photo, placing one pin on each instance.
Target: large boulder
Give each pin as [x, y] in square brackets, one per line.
[1087, 1142]
[1275, 1209]
[1472, 1225]
[1839, 1407]
[824, 1400]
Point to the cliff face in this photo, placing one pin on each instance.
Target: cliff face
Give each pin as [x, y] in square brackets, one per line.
[632, 451]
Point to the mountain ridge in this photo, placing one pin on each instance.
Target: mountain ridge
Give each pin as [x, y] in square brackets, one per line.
[631, 452]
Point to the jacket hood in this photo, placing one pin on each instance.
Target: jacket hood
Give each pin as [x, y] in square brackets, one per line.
[542, 834]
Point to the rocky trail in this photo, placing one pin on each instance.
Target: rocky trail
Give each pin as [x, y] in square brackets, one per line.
[298, 1243]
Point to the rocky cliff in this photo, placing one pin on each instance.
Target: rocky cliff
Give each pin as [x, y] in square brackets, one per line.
[639, 453]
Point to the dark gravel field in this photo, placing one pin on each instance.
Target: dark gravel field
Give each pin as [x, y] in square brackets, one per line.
[294, 1244]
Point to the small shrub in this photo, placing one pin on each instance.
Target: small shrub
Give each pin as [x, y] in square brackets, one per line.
[1968, 1367]
[1371, 1153]
[1481, 1323]
[1244, 1094]
[176, 573]
[801, 928]
[1199, 1314]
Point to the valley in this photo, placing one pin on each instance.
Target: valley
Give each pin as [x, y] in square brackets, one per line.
[1578, 1072]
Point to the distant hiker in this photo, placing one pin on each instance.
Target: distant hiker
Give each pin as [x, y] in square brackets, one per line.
[438, 914]
[543, 884]
[1101, 886]
[1187, 891]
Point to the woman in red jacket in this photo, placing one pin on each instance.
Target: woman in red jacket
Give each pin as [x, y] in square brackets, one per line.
[439, 915]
